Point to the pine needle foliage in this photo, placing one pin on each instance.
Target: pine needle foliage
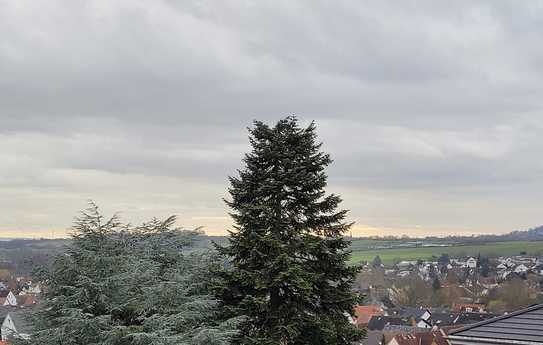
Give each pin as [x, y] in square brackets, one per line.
[288, 255]
[123, 285]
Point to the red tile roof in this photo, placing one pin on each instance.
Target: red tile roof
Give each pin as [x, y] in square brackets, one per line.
[488, 280]
[26, 300]
[472, 307]
[364, 313]
[407, 339]
[422, 338]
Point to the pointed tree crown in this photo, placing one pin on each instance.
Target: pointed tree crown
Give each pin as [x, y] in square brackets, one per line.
[288, 254]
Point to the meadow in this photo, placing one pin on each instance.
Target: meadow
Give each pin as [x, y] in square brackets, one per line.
[491, 249]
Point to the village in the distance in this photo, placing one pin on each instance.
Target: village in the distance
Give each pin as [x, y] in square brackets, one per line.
[419, 302]
[19, 290]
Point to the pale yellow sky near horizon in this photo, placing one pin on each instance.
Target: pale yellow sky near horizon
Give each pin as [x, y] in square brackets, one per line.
[357, 231]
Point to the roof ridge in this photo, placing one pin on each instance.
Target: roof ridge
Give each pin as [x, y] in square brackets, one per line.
[498, 318]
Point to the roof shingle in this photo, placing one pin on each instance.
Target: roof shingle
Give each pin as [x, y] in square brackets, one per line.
[523, 327]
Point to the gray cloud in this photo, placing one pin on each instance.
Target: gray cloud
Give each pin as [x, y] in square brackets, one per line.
[432, 111]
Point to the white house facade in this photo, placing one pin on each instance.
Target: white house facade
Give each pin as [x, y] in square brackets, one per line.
[10, 330]
[11, 300]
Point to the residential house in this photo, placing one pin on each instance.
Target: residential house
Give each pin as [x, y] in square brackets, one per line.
[471, 263]
[30, 289]
[422, 338]
[509, 262]
[520, 269]
[26, 301]
[403, 274]
[468, 307]
[10, 300]
[406, 264]
[441, 319]
[363, 314]
[378, 322]
[458, 263]
[15, 326]
[504, 274]
[424, 320]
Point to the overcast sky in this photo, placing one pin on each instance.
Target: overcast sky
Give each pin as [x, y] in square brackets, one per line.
[432, 111]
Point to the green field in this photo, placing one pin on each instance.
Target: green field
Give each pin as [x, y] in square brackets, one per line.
[491, 249]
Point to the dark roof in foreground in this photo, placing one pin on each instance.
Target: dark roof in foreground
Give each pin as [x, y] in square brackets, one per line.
[523, 327]
[378, 322]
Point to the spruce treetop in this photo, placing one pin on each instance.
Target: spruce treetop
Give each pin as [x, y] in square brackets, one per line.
[282, 185]
[289, 274]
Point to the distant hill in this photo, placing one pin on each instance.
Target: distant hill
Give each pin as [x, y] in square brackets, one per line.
[534, 234]
[22, 255]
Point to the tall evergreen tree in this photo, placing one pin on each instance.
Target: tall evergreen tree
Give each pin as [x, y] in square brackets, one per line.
[122, 285]
[376, 263]
[289, 274]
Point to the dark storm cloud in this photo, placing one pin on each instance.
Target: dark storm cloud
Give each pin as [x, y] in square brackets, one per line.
[432, 99]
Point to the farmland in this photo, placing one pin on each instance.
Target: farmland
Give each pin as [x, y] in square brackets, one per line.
[491, 249]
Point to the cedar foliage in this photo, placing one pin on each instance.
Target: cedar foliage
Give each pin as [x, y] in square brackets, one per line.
[289, 274]
[118, 285]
